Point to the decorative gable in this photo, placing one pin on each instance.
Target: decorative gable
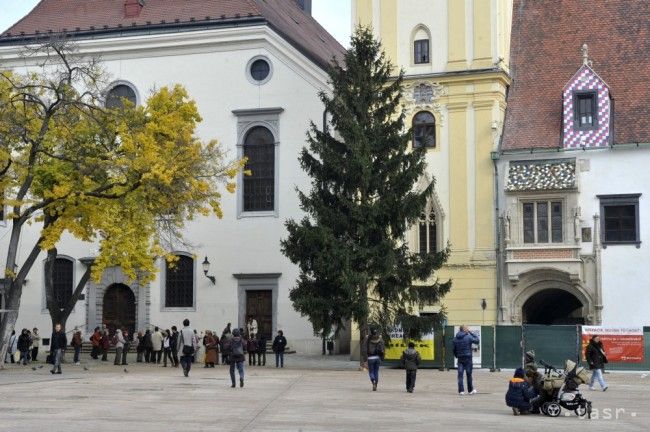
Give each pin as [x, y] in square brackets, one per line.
[586, 109]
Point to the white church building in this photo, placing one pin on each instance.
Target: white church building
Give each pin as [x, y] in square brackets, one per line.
[255, 69]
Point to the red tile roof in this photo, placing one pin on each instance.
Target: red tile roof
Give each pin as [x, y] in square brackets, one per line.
[545, 53]
[85, 18]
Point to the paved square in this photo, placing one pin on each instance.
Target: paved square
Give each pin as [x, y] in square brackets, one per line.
[311, 394]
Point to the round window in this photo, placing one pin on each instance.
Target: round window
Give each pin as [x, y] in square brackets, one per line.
[260, 70]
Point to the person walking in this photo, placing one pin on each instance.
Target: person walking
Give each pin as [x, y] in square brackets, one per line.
[76, 345]
[95, 342]
[236, 357]
[373, 355]
[410, 361]
[463, 352]
[173, 345]
[225, 343]
[58, 343]
[118, 341]
[167, 349]
[279, 344]
[23, 346]
[105, 343]
[127, 346]
[36, 343]
[157, 345]
[186, 346]
[261, 351]
[596, 358]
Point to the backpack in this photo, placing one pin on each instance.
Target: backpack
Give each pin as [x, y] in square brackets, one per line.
[114, 339]
[237, 347]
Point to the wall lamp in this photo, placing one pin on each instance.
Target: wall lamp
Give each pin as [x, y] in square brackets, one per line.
[206, 269]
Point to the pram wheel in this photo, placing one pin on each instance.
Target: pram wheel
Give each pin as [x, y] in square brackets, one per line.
[553, 409]
[581, 411]
[544, 408]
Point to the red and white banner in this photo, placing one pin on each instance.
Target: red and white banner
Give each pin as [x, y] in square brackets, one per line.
[621, 344]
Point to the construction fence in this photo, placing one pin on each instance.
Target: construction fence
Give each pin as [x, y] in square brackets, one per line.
[503, 347]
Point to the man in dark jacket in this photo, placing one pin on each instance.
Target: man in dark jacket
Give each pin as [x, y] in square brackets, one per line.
[519, 393]
[236, 348]
[410, 361]
[595, 354]
[23, 346]
[463, 352]
[279, 344]
[58, 343]
[173, 345]
[261, 351]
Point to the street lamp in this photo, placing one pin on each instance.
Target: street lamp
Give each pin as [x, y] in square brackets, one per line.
[206, 269]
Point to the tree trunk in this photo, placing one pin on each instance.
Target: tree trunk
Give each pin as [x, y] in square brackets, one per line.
[14, 291]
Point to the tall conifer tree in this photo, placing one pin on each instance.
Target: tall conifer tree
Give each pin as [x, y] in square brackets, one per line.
[350, 248]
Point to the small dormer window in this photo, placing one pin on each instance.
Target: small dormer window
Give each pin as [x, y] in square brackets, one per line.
[585, 110]
[421, 51]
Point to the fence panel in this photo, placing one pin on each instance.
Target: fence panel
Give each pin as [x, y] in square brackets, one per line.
[508, 351]
[553, 344]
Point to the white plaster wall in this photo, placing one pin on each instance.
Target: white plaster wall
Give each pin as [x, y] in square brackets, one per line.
[213, 72]
[625, 283]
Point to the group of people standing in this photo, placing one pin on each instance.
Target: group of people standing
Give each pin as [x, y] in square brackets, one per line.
[27, 344]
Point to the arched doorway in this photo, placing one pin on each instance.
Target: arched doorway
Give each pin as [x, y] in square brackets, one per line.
[553, 306]
[119, 308]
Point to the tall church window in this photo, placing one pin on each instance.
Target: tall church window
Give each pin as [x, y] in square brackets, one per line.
[428, 234]
[424, 130]
[117, 94]
[179, 282]
[259, 149]
[63, 278]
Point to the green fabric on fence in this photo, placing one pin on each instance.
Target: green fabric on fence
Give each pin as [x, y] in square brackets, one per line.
[508, 347]
[552, 344]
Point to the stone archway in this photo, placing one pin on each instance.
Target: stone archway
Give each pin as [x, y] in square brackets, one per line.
[119, 308]
[550, 296]
[552, 306]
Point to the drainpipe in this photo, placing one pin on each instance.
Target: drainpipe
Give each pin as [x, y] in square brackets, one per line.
[497, 234]
[599, 275]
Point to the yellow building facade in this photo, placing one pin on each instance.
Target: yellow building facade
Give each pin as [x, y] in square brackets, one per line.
[455, 57]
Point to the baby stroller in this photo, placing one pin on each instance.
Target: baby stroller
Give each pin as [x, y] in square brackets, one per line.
[560, 390]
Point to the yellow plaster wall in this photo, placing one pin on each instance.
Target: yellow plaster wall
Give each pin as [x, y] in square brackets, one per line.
[456, 29]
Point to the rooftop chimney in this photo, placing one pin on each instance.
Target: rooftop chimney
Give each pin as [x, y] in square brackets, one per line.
[132, 8]
[305, 5]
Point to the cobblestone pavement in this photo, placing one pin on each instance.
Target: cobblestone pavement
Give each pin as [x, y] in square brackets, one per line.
[311, 393]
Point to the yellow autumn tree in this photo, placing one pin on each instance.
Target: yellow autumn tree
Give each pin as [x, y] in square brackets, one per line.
[126, 178]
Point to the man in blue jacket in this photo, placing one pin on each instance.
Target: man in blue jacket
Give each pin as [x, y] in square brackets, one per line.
[463, 352]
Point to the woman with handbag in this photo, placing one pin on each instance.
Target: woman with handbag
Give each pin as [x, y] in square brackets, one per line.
[595, 354]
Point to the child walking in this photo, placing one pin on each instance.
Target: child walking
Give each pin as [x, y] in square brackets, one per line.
[410, 361]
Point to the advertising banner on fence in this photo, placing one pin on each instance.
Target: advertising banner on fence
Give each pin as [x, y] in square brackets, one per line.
[622, 344]
[397, 344]
[476, 349]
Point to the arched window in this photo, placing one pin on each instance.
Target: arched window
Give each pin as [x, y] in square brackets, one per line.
[259, 149]
[424, 130]
[428, 234]
[421, 46]
[116, 95]
[63, 276]
[179, 282]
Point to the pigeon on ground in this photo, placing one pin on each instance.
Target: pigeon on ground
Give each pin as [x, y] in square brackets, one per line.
[85, 368]
[40, 367]
[126, 371]
[33, 368]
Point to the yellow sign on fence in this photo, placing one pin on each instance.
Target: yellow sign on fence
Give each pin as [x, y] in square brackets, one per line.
[397, 344]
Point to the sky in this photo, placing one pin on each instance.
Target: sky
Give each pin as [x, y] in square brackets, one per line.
[334, 15]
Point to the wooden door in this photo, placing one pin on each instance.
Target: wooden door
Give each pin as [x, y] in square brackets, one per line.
[119, 309]
[259, 305]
